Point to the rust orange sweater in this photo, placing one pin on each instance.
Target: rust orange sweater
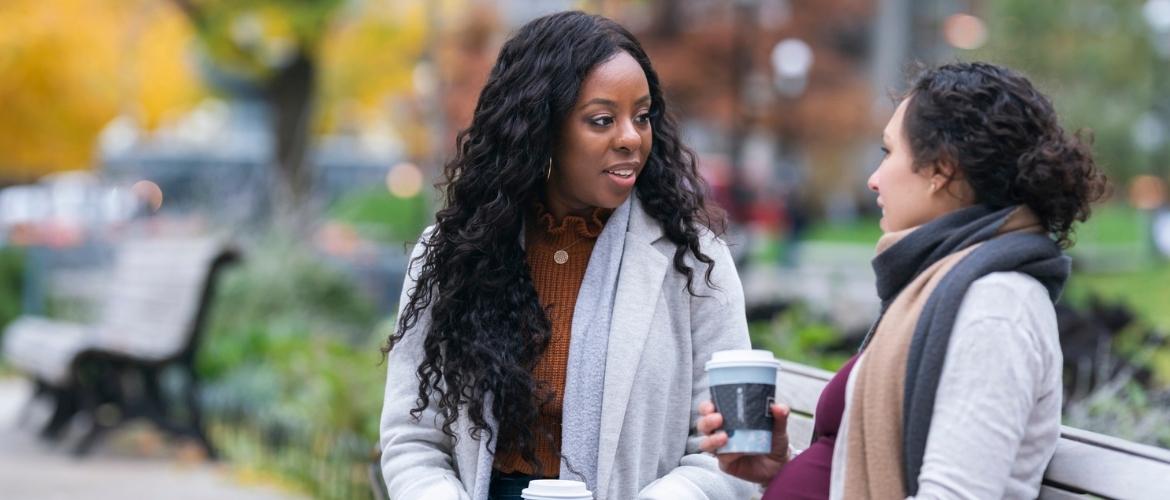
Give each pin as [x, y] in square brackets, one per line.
[556, 286]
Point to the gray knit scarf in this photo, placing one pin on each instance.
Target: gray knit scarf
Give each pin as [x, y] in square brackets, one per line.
[585, 373]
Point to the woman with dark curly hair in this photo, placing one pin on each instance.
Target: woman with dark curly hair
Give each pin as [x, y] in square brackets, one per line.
[956, 391]
[555, 319]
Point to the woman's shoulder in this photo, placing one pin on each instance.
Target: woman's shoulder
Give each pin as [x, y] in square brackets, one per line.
[418, 253]
[1008, 294]
[1010, 303]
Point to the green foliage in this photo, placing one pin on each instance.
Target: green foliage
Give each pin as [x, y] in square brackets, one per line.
[255, 37]
[1094, 59]
[863, 231]
[292, 367]
[11, 289]
[796, 335]
[11, 284]
[382, 216]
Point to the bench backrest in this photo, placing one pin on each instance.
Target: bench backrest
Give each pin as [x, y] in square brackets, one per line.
[157, 292]
[1086, 463]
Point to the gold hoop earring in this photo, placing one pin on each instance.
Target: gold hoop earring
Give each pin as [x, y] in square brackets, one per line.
[548, 176]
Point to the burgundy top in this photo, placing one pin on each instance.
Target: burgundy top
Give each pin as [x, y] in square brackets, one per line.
[807, 476]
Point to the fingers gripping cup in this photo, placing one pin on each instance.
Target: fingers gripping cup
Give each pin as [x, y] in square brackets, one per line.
[743, 388]
[556, 489]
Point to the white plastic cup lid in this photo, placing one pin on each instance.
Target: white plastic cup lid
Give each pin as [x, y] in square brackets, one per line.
[556, 488]
[741, 358]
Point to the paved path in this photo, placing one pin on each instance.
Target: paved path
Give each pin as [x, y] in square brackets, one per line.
[30, 469]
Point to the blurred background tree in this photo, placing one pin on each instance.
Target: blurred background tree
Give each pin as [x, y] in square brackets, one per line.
[269, 49]
[68, 67]
[1098, 65]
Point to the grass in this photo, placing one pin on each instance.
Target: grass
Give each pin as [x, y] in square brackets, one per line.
[1113, 225]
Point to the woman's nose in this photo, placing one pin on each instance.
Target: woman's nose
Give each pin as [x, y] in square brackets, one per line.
[627, 138]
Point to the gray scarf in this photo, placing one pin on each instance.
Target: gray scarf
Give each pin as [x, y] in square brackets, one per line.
[585, 374]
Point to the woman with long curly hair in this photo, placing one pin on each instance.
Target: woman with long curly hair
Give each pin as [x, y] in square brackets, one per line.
[956, 392]
[555, 319]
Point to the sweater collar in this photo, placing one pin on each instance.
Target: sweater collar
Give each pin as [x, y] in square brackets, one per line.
[589, 226]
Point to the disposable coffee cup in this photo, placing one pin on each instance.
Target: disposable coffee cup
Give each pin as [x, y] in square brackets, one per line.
[556, 489]
[743, 388]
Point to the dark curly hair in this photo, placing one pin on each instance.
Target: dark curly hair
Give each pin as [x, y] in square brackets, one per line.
[1003, 138]
[487, 327]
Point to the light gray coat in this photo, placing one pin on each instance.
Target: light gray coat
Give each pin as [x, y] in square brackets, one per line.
[660, 338]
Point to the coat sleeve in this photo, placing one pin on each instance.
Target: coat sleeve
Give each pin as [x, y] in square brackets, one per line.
[718, 322]
[417, 457]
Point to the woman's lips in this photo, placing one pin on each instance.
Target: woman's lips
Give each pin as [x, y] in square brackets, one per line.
[622, 177]
[624, 172]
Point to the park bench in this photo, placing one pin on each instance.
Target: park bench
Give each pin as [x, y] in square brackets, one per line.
[1086, 464]
[148, 326]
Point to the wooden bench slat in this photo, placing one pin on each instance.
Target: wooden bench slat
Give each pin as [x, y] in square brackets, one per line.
[171, 298]
[1115, 443]
[800, 386]
[185, 274]
[800, 430]
[1107, 471]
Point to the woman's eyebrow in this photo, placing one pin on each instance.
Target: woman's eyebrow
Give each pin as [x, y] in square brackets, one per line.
[611, 103]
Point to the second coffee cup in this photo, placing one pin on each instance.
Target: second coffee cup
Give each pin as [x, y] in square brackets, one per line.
[743, 388]
[556, 489]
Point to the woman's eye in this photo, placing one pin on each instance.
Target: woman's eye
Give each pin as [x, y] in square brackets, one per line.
[643, 118]
[885, 151]
[602, 121]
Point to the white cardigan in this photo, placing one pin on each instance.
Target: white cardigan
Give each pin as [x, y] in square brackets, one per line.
[660, 338]
[996, 416]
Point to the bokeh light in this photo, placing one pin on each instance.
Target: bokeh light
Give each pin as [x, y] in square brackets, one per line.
[149, 193]
[1147, 192]
[404, 180]
[964, 31]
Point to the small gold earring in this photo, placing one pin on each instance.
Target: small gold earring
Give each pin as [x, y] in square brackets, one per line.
[548, 176]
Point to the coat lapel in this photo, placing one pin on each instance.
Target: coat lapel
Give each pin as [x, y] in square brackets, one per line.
[639, 285]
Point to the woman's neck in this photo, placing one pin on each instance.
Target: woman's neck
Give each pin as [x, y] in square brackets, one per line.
[559, 209]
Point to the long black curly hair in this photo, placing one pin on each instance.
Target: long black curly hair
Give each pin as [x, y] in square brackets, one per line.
[1006, 141]
[487, 328]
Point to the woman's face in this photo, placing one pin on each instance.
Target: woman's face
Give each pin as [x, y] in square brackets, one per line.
[604, 141]
[908, 198]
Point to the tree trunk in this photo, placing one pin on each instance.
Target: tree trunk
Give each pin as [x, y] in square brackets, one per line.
[290, 98]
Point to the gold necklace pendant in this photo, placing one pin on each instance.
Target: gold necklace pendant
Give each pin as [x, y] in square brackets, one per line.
[561, 257]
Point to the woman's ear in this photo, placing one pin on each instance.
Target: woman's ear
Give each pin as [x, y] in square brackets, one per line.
[941, 176]
[947, 179]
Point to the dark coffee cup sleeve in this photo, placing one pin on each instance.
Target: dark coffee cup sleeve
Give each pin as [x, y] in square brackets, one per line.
[744, 406]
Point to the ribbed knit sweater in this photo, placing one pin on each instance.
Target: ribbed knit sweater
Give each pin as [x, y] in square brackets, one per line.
[556, 287]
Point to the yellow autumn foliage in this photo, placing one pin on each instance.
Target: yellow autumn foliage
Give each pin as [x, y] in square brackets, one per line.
[368, 58]
[68, 67]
